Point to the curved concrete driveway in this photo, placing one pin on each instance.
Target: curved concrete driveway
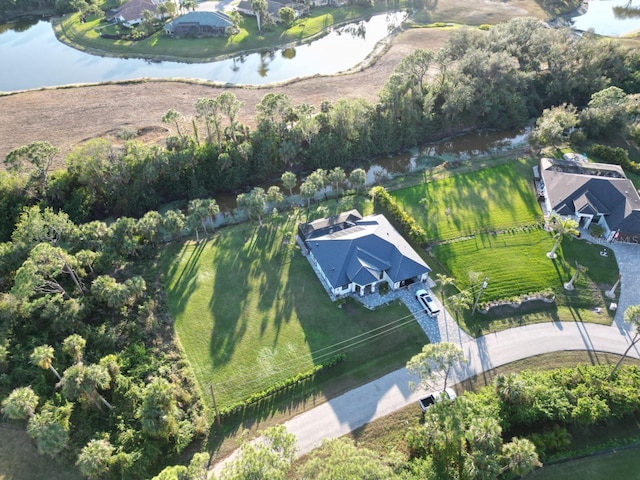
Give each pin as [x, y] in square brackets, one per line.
[387, 394]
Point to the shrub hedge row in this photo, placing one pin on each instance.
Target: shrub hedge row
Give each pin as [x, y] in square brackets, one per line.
[280, 386]
[415, 231]
[615, 155]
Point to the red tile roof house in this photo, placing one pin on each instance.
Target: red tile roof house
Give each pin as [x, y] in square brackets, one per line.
[131, 13]
[355, 254]
[596, 193]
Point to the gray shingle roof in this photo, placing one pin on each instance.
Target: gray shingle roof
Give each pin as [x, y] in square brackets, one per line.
[360, 249]
[592, 187]
[213, 19]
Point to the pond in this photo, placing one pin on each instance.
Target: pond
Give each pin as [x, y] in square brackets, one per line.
[34, 58]
[610, 17]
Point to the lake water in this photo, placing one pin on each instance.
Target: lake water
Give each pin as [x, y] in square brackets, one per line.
[474, 146]
[34, 58]
[610, 17]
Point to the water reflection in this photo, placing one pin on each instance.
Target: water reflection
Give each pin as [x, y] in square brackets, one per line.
[468, 146]
[37, 59]
[609, 17]
[463, 147]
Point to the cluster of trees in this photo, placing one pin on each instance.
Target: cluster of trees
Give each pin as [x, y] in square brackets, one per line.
[611, 112]
[494, 79]
[87, 358]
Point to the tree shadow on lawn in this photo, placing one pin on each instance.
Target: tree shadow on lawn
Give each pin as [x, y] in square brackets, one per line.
[467, 211]
[248, 271]
[186, 282]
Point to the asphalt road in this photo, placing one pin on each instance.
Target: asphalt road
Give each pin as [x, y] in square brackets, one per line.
[387, 394]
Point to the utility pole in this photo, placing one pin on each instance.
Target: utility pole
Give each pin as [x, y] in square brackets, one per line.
[482, 288]
[215, 405]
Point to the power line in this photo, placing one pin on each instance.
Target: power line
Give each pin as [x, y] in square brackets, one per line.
[355, 341]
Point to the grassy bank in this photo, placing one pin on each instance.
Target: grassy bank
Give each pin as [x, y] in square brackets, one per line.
[85, 36]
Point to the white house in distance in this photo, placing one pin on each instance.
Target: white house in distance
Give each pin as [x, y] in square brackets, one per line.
[132, 13]
[591, 193]
[355, 254]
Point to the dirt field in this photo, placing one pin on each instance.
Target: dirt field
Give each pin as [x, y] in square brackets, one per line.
[67, 116]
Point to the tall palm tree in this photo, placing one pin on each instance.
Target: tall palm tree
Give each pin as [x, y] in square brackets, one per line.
[444, 280]
[561, 228]
[579, 269]
[461, 301]
[632, 316]
[42, 357]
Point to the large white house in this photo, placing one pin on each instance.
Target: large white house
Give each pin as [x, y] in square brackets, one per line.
[592, 193]
[355, 254]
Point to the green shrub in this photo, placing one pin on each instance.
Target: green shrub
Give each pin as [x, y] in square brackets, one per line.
[283, 385]
[408, 224]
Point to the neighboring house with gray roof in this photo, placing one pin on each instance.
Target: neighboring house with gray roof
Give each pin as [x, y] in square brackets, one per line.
[200, 24]
[592, 193]
[355, 254]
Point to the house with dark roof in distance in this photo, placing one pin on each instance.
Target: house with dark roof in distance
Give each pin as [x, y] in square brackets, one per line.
[200, 24]
[592, 193]
[244, 7]
[355, 254]
[132, 13]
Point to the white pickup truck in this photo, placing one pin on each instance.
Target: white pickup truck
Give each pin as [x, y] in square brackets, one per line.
[426, 402]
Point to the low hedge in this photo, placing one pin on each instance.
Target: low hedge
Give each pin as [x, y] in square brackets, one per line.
[415, 231]
[281, 386]
[615, 155]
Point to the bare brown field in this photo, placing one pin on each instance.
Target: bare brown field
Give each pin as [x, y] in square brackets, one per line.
[67, 116]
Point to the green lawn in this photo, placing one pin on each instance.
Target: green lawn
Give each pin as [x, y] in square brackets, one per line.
[491, 199]
[515, 262]
[622, 464]
[86, 36]
[250, 311]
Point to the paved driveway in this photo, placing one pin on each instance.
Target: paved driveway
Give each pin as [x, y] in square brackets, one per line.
[387, 394]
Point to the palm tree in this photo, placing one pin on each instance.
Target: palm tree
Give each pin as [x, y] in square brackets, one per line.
[42, 357]
[73, 346]
[21, 403]
[632, 316]
[579, 269]
[520, 456]
[460, 301]
[444, 280]
[561, 227]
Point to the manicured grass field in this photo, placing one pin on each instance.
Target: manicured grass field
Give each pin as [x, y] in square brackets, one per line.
[250, 311]
[491, 199]
[515, 262]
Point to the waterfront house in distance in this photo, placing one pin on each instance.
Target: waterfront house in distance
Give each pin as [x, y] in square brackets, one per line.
[244, 7]
[355, 254]
[132, 13]
[592, 193]
[200, 24]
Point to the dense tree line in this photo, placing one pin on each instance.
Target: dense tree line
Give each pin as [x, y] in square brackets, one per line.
[87, 358]
[496, 79]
